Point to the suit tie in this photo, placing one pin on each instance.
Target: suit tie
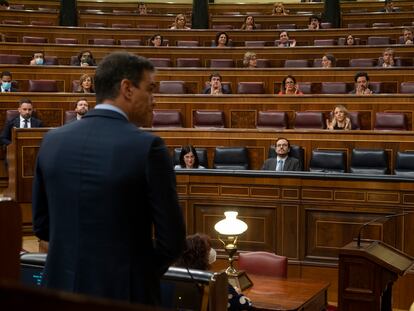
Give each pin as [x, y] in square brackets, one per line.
[279, 166]
[25, 123]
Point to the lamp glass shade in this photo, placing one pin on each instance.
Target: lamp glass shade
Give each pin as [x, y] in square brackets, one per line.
[230, 225]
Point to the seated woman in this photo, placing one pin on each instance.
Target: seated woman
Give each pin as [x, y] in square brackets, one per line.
[85, 58]
[188, 159]
[350, 40]
[85, 84]
[249, 23]
[156, 40]
[279, 9]
[180, 22]
[250, 60]
[289, 86]
[222, 40]
[199, 254]
[339, 120]
[328, 61]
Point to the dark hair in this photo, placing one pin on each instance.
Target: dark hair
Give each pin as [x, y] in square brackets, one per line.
[196, 252]
[114, 68]
[82, 78]
[153, 38]
[361, 74]
[215, 74]
[346, 39]
[4, 2]
[6, 73]
[280, 138]
[91, 61]
[184, 151]
[218, 36]
[331, 58]
[284, 82]
[79, 99]
[24, 100]
[282, 31]
[38, 52]
[245, 19]
[314, 17]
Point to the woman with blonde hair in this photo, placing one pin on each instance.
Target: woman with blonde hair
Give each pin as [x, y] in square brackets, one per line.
[340, 119]
[180, 22]
[279, 9]
[85, 84]
[250, 60]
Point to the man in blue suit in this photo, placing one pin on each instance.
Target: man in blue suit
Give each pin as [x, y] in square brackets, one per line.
[104, 192]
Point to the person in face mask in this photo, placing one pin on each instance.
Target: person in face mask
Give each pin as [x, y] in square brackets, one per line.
[199, 254]
[6, 82]
[38, 58]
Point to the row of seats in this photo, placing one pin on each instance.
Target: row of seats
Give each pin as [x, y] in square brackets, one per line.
[363, 161]
[276, 120]
[179, 87]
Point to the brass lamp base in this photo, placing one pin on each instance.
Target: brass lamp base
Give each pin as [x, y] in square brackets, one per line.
[239, 279]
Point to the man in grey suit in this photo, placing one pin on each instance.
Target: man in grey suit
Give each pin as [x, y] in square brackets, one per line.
[282, 162]
[104, 193]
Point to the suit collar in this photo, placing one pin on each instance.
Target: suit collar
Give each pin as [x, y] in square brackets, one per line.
[104, 113]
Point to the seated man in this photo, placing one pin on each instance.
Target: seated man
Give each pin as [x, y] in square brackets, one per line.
[284, 40]
[23, 120]
[314, 22]
[4, 5]
[81, 108]
[6, 82]
[361, 84]
[408, 36]
[215, 87]
[387, 59]
[282, 162]
[389, 7]
[38, 58]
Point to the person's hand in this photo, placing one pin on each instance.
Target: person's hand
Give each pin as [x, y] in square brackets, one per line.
[32, 62]
[84, 64]
[237, 289]
[293, 43]
[409, 42]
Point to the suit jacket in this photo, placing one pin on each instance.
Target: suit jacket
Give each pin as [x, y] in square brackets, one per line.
[6, 134]
[224, 89]
[291, 164]
[13, 88]
[102, 188]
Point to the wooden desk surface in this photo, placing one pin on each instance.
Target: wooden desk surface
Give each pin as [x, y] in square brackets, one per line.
[270, 293]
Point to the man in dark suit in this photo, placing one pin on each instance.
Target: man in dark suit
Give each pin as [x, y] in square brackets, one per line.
[282, 162]
[104, 192]
[215, 87]
[23, 120]
[6, 84]
[81, 108]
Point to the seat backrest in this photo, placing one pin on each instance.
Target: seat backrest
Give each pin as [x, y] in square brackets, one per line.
[357, 25]
[66, 41]
[286, 26]
[328, 161]
[263, 263]
[221, 63]
[187, 43]
[223, 27]
[231, 158]
[326, 25]
[70, 115]
[407, 87]
[27, 39]
[118, 25]
[324, 42]
[51, 60]
[10, 59]
[188, 62]
[102, 41]
[12, 22]
[404, 164]
[95, 25]
[305, 87]
[130, 42]
[378, 40]
[309, 120]
[43, 86]
[250, 88]
[381, 25]
[296, 63]
[361, 62]
[41, 23]
[390, 121]
[333, 88]
[250, 44]
[369, 161]
[355, 120]
[160, 62]
[11, 114]
[201, 154]
[172, 87]
[166, 118]
[272, 119]
[342, 41]
[208, 119]
[263, 63]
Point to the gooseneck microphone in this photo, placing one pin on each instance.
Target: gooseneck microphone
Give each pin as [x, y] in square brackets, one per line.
[374, 220]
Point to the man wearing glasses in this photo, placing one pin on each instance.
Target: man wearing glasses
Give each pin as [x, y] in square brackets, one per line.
[283, 162]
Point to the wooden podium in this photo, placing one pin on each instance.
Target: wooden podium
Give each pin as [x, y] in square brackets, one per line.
[366, 275]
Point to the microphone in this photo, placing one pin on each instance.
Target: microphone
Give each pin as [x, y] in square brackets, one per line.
[374, 220]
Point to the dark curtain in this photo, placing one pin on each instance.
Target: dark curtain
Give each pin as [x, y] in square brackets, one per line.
[68, 13]
[200, 14]
[332, 13]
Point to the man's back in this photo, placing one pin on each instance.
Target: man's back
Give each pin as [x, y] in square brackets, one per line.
[101, 213]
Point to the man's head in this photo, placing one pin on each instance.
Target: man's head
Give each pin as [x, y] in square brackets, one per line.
[314, 21]
[215, 80]
[408, 35]
[38, 58]
[361, 79]
[127, 81]
[388, 56]
[25, 108]
[81, 106]
[282, 147]
[284, 37]
[6, 80]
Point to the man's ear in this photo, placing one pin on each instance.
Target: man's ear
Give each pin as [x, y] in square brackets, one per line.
[125, 88]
